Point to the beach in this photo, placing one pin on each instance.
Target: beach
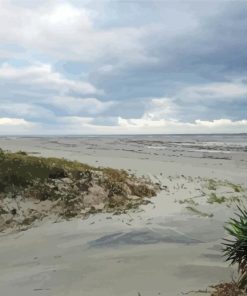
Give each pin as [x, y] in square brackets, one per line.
[171, 246]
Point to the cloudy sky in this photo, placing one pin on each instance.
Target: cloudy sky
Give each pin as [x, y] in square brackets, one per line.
[122, 66]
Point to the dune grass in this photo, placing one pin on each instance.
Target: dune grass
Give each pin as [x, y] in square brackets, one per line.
[72, 188]
[195, 211]
[213, 185]
[20, 170]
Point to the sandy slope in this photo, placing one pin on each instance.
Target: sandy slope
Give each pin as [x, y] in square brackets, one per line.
[163, 249]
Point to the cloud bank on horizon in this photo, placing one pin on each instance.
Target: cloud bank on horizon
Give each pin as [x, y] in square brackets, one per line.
[123, 67]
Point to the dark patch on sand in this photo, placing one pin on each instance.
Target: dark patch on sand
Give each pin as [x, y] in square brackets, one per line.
[142, 237]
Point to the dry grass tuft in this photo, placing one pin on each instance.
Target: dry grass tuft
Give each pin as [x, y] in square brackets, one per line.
[227, 289]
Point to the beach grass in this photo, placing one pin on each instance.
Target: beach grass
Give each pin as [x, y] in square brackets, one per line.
[72, 187]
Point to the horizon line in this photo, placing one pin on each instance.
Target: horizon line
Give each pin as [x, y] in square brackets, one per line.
[98, 135]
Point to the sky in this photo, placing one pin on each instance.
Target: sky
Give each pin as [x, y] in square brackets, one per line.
[122, 67]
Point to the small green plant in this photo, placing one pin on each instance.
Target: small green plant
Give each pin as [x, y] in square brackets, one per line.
[235, 249]
[236, 187]
[212, 184]
[21, 152]
[188, 201]
[213, 198]
[199, 213]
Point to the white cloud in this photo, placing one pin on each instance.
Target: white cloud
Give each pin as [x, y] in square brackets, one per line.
[13, 121]
[114, 51]
[75, 105]
[218, 123]
[234, 89]
[86, 125]
[170, 126]
[66, 31]
[75, 120]
[159, 108]
[15, 126]
[25, 110]
[36, 90]
[66, 125]
[43, 76]
[65, 15]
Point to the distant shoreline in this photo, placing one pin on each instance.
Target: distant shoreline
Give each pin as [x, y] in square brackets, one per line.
[117, 135]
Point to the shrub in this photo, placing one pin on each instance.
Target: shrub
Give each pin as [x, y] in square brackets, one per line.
[235, 249]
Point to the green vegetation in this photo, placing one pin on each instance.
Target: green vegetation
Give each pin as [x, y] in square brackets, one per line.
[232, 192]
[235, 252]
[213, 198]
[236, 187]
[73, 188]
[212, 184]
[235, 249]
[199, 213]
[20, 170]
[189, 201]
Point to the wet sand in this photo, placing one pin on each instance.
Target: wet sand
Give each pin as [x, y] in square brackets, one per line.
[164, 248]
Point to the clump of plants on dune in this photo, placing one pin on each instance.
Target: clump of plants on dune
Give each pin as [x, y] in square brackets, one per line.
[235, 248]
[227, 289]
[33, 187]
[235, 252]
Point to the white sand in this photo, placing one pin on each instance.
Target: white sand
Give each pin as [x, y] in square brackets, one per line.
[162, 250]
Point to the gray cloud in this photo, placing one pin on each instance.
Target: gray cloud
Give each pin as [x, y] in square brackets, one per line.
[108, 60]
